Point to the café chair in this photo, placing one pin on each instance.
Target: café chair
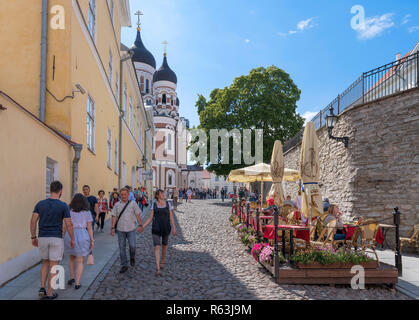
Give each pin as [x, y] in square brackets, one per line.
[368, 229]
[412, 238]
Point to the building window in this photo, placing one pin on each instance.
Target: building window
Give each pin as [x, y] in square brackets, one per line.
[109, 146]
[111, 9]
[124, 174]
[125, 101]
[116, 157]
[169, 142]
[138, 134]
[130, 113]
[117, 85]
[147, 86]
[52, 175]
[110, 67]
[164, 98]
[133, 178]
[92, 19]
[90, 124]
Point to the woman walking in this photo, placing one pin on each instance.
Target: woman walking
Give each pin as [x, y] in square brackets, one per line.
[103, 210]
[162, 217]
[83, 238]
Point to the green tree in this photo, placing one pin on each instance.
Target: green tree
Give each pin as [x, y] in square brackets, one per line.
[264, 99]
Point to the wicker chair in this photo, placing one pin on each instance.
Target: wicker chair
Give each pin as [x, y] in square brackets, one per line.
[412, 238]
[368, 229]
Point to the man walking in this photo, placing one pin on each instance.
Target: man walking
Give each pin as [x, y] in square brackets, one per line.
[94, 207]
[49, 214]
[175, 197]
[124, 215]
[222, 194]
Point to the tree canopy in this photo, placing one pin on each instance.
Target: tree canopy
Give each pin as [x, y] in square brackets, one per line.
[264, 99]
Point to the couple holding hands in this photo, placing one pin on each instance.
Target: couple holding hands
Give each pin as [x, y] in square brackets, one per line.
[126, 213]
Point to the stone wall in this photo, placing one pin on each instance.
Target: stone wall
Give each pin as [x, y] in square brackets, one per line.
[380, 168]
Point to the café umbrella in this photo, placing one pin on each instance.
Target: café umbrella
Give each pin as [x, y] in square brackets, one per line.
[311, 202]
[277, 172]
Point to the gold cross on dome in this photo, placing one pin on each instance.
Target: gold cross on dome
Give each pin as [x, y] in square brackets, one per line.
[165, 43]
[139, 14]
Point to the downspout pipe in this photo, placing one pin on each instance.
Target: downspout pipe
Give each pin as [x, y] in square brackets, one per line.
[43, 78]
[75, 172]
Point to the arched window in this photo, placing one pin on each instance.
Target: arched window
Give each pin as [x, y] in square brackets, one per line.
[164, 98]
[171, 100]
[170, 178]
[147, 86]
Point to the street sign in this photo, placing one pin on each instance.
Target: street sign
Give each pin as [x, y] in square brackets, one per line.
[147, 175]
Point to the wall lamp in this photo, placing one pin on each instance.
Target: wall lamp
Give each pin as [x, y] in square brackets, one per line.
[331, 120]
[143, 162]
[78, 87]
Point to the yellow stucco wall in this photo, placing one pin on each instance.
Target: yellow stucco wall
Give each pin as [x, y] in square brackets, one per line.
[77, 60]
[26, 144]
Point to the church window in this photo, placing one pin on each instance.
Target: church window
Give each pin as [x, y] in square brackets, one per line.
[164, 98]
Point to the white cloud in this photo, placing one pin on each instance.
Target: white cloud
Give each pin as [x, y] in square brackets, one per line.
[413, 29]
[301, 26]
[406, 18]
[247, 40]
[374, 26]
[305, 24]
[308, 115]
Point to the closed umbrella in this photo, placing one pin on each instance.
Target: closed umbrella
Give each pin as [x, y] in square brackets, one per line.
[311, 202]
[277, 172]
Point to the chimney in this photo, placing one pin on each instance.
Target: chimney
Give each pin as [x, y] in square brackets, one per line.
[397, 56]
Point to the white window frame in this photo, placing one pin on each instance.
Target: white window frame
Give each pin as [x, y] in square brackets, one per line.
[92, 19]
[109, 148]
[90, 124]
[110, 67]
[111, 10]
[116, 157]
[51, 167]
[130, 114]
[125, 101]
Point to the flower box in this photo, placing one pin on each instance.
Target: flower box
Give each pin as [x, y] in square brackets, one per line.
[337, 265]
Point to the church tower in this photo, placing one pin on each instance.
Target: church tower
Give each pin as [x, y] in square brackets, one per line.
[158, 88]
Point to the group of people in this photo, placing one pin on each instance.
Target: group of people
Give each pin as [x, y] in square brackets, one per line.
[69, 229]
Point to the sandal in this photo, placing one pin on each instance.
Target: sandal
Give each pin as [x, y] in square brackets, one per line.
[162, 266]
[158, 273]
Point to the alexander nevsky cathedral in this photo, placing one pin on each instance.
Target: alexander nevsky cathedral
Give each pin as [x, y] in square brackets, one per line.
[158, 88]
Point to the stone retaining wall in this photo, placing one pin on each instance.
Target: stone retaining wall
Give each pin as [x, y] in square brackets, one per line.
[380, 168]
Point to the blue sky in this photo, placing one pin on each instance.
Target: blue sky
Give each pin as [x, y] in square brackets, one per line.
[212, 41]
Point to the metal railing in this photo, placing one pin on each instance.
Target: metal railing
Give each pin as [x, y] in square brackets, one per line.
[377, 83]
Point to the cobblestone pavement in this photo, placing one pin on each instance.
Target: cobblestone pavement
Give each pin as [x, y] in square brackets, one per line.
[206, 260]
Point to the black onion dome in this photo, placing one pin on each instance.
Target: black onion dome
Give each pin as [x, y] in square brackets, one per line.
[141, 54]
[165, 73]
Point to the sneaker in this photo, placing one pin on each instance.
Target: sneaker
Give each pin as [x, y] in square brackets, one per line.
[42, 292]
[132, 262]
[54, 296]
[123, 269]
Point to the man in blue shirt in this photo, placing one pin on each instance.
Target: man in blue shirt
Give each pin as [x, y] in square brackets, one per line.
[50, 214]
[131, 194]
[94, 207]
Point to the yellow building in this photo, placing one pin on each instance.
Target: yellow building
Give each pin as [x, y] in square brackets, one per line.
[60, 97]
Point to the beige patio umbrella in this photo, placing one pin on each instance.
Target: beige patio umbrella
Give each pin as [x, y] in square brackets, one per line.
[311, 202]
[277, 172]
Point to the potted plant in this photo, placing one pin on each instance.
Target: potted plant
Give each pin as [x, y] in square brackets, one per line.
[329, 257]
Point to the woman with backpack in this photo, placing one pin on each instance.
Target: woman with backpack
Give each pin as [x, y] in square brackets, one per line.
[163, 223]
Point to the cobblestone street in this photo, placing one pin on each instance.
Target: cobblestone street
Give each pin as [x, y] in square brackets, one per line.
[206, 260]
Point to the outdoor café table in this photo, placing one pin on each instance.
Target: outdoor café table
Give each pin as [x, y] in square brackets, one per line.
[270, 234]
[349, 229]
[385, 228]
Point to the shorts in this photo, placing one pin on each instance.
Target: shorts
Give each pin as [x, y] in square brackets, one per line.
[51, 248]
[160, 240]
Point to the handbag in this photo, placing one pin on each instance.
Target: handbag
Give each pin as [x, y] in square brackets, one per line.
[119, 217]
[90, 258]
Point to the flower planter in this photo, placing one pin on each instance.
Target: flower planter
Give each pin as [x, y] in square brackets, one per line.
[337, 265]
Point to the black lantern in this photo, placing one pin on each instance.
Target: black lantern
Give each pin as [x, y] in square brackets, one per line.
[331, 120]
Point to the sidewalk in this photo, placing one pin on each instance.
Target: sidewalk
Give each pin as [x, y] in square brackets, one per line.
[26, 286]
[409, 282]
